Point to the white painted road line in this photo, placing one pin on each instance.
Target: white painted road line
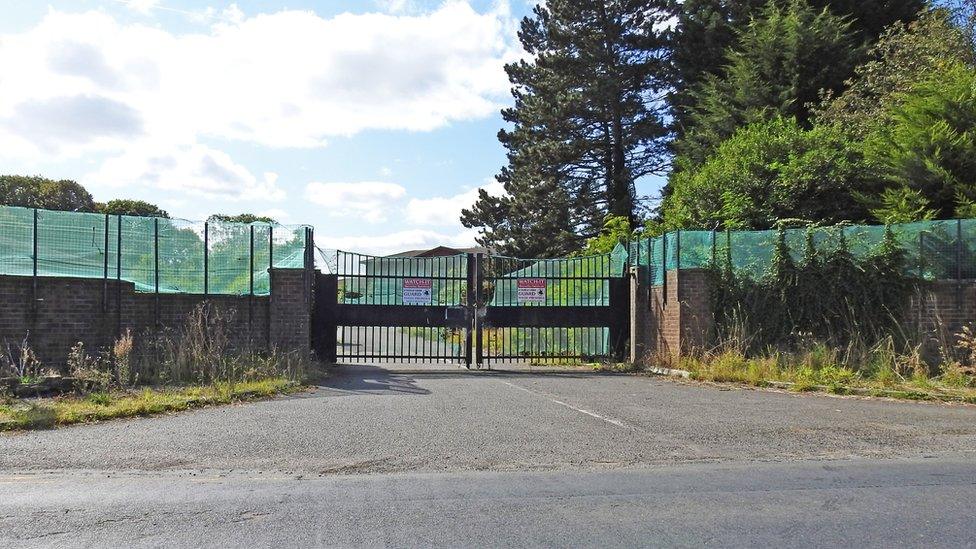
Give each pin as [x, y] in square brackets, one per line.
[611, 421]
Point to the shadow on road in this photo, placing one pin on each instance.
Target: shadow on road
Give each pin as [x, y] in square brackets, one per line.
[369, 380]
[401, 379]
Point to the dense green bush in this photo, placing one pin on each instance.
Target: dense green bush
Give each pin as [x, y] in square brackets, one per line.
[930, 145]
[768, 171]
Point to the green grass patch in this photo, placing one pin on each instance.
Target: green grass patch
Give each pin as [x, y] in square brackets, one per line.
[68, 410]
[817, 372]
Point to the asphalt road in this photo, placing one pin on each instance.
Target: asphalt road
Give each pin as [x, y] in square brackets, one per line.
[451, 458]
[911, 503]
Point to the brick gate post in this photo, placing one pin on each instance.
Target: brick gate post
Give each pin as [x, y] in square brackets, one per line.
[675, 317]
[290, 311]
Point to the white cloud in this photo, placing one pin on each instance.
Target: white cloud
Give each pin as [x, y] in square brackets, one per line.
[141, 6]
[368, 200]
[195, 170]
[288, 79]
[84, 85]
[279, 215]
[446, 210]
[396, 6]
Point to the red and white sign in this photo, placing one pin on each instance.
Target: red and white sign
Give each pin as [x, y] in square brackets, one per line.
[531, 290]
[418, 291]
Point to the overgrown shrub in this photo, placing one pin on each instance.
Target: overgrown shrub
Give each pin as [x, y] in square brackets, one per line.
[19, 360]
[198, 352]
[202, 351]
[829, 297]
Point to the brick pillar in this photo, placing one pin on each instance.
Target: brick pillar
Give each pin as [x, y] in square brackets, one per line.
[290, 310]
[676, 317]
[696, 318]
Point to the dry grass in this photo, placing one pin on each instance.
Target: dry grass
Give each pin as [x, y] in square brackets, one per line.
[824, 370]
[68, 410]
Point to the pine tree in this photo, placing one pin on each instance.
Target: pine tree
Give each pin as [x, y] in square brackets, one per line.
[588, 121]
[782, 64]
[707, 29]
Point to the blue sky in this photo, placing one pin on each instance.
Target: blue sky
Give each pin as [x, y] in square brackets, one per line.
[373, 120]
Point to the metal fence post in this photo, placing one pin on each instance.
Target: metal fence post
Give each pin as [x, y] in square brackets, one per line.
[677, 255]
[714, 258]
[105, 269]
[118, 277]
[650, 276]
[250, 298]
[156, 264]
[664, 268]
[471, 301]
[728, 249]
[34, 267]
[921, 255]
[271, 247]
[206, 258]
[270, 288]
[959, 249]
[959, 264]
[478, 328]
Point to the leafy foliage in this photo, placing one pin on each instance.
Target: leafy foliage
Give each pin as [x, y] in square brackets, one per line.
[782, 63]
[930, 144]
[706, 29]
[40, 192]
[588, 120]
[769, 171]
[616, 230]
[131, 207]
[905, 55]
[902, 205]
[242, 218]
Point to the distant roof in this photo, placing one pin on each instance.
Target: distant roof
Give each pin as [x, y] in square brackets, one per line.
[441, 251]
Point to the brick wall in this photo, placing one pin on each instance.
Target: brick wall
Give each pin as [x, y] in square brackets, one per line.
[677, 317]
[69, 310]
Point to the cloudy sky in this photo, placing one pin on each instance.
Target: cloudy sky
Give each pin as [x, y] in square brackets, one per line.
[373, 120]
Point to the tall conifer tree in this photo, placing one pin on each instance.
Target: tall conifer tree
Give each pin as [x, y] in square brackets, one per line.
[588, 121]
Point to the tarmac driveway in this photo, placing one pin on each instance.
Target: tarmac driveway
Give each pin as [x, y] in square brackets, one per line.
[365, 419]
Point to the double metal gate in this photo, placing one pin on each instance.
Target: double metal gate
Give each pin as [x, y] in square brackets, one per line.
[471, 309]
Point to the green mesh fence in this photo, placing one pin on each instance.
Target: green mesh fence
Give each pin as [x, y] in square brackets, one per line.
[934, 250]
[177, 255]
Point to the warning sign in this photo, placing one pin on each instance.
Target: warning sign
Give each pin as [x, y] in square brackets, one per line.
[531, 290]
[417, 291]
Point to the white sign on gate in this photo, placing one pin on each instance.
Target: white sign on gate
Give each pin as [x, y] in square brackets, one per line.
[531, 290]
[418, 291]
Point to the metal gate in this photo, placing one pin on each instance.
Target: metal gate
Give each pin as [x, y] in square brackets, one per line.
[471, 309]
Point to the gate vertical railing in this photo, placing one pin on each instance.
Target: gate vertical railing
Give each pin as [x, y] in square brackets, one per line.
[476, 314]
[552, 310]
[378, 320]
